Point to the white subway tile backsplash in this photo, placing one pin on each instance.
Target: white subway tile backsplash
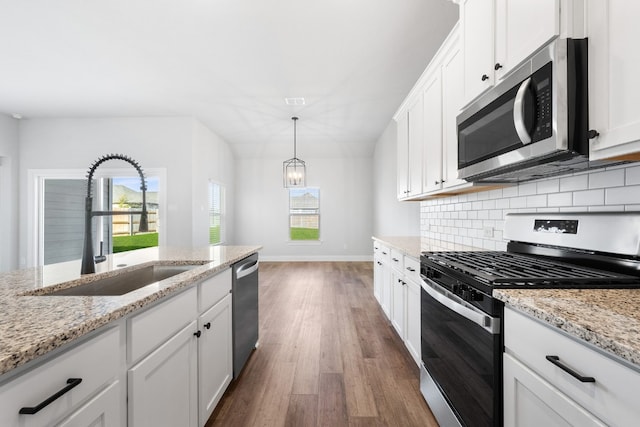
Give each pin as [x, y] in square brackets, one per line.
[588, 198]
[574, 183]
[539, 201]
[623, 195]
[510, 191]
[462, 219]
[632, 175]
[518, 202]
[560, 199]
[527, 189]
[548, 186]
[610, 178]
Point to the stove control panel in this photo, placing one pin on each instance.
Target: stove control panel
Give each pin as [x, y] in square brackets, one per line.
[467, 293]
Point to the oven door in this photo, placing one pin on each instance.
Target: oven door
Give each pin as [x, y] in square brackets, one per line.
[461, 377]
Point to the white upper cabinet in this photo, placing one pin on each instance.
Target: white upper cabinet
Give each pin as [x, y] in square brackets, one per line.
[522, 27]
[416, 144]
[614, 67]
[478, 29]
[498, 35]
[432, 97]
[402, 153]
[452, 101]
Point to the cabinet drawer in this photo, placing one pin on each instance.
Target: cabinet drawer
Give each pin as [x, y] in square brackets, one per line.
[151, 328]
[96, 362]
[613, 395]
[412, 268]
[382, 252]
[214, 289]
[397, 260]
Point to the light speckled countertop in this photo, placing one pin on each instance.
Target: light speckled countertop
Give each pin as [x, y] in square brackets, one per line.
[31, 326]
[415, 245]
[606, 318]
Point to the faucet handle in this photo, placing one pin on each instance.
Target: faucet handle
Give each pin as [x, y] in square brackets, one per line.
[102, 257]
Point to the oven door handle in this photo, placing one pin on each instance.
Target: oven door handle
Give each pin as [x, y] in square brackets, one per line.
[488, 323]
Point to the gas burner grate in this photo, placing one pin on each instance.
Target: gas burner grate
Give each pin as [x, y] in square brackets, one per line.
[502, 269]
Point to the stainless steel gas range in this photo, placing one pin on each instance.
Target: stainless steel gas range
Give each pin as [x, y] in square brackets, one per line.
[462, 341]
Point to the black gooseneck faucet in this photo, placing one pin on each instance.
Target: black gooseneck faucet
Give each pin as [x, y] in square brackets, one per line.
[88, 260]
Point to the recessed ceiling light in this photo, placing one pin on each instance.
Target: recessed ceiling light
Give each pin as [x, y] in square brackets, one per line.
[16, 116]
[294, 101]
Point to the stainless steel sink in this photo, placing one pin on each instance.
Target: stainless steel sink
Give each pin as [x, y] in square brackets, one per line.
[125, 282]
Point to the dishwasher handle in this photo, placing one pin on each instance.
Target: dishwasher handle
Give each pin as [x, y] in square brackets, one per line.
[246, 269]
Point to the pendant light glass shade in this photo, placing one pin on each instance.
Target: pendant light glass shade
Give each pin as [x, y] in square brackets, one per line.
[294, 171]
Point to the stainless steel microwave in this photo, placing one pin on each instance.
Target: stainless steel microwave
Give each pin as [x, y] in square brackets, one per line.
[534, 123]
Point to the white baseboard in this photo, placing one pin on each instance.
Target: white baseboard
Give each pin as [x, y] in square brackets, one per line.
[316, 258]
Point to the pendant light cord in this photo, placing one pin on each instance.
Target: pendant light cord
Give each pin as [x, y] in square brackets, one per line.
[295, 119]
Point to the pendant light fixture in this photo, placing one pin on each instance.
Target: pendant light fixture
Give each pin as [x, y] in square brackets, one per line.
[294, 170]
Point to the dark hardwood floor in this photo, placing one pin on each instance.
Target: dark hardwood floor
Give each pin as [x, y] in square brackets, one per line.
[327, 355]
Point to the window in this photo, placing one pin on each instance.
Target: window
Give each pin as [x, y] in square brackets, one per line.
[216, 213]
[304, 214]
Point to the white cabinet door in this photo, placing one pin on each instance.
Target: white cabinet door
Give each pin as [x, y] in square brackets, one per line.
[163, 387]
[432, 96]
[416, 144]
[386, 290]
[402, 153]
[398, 303]
[104, 410]
[477, 18]
[215, 358]
[522, 27]
[614, 67]
[378, 274]
[412, 332]
[530, 401]
[452, 101]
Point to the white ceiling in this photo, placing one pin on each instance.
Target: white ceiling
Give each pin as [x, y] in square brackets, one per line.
[229, 63]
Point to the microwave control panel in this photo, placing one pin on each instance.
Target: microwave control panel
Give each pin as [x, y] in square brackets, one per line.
[541, 88]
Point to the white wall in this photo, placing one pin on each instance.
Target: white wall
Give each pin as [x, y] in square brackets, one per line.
[9, 163]
[171, 143]
[346, 218]
[391, 217]
[212, 160]
[460, 220]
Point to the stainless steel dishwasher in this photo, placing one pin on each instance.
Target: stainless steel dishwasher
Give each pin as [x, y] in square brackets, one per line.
[245, 310]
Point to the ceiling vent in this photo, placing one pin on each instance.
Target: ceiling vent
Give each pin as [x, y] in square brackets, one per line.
[294, 101]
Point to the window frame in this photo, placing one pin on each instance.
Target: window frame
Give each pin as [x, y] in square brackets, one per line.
[222, 210]
[290, 215]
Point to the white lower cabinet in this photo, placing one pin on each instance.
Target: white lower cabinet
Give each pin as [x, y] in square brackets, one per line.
[78, 377]
[103, 410]
[163, 387]
[400, 291]
[530, 401]
[551, 379]
[215, 357]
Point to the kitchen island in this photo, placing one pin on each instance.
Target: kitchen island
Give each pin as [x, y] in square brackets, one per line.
[34, 325]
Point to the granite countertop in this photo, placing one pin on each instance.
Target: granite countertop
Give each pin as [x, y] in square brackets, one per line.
[31, 326]
[415, 245]
[606, 318]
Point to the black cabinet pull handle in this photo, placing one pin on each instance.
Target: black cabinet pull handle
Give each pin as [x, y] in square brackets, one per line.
[30, 410]
[197, 334]
[485, 77]
[384, 253]
[411, 269]
[395, 259]
[497, 66]
[556, 361]
[207, 325]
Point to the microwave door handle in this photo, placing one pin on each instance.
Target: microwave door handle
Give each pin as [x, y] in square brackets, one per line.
[486, 322]
[518, 112]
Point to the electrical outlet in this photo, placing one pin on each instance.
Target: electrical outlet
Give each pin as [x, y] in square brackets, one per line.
[487, 231]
